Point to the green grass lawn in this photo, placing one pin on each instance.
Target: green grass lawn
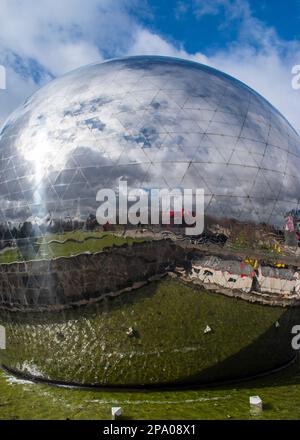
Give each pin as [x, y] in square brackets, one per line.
[154, 315]
[280, 393]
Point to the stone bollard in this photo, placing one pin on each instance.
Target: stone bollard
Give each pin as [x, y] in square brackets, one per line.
[256, 402]
[207, 329]
[116, 412]
[2, 338]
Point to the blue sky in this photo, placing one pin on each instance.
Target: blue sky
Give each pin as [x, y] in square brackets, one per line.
[256, 41]
[209, 29]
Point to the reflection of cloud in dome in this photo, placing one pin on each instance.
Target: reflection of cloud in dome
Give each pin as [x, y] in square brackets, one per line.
[157, 122]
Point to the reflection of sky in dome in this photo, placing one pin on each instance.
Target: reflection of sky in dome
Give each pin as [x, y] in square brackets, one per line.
[157, 122]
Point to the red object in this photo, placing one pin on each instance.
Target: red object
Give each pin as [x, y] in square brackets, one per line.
[172, 216]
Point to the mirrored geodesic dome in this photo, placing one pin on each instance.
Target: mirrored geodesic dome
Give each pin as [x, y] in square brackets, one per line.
[156, 123]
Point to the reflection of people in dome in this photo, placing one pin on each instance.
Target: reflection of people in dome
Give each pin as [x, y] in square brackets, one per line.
[291, 236]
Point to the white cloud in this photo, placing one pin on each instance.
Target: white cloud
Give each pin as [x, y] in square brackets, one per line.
[66, 34]
[17, 89]
[148, 43]
[49, 38]
[262, 60]
[202, 7]
[233, 9]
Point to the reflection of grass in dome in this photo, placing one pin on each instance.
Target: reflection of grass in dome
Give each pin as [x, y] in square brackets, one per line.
[91, 245]
[69, 244]
[168, 314]
[242, 242]
[75, 235]
[170, 344]
[10, 255]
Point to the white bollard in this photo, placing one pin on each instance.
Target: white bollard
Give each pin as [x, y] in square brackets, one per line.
[256, 402]
[207, 329]
[116, 411]
[2, 338]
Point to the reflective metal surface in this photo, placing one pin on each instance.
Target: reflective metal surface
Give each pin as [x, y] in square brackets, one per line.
[158, 122]
[155, 122]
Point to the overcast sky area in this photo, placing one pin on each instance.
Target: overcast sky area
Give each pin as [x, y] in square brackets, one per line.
[256, 41]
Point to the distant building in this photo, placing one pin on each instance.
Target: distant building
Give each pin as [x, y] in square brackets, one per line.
[281, 281]
[235, 275]
[229, 274]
